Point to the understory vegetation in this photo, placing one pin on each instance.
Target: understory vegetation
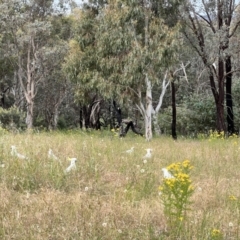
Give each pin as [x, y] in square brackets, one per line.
[112, 194]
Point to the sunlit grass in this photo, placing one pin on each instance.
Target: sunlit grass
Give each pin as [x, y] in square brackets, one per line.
[112, 194]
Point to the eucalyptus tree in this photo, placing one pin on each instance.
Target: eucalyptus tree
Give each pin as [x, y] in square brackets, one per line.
[121, 51]
[26, 25]
[29, 43]
[210, 27]
[81, 65]
[135, 47]
[53, 90]
[55, 86]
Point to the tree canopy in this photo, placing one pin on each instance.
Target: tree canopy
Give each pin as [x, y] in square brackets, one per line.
[68, 68]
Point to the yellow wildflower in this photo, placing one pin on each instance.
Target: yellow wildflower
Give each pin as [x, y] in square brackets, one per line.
[216, 233]
[186, 163]
[232, 198]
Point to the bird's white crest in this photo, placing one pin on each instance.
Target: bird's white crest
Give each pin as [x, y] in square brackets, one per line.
[72, 165]
[14, 153]
[166, 173]
[130, 150]
[52, 155]
[149, 153]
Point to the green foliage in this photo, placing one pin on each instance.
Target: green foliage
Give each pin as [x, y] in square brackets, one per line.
[112, 50]
[11, 118]
[195, 115]
[129, 48]
[31, 175]
[62, 123]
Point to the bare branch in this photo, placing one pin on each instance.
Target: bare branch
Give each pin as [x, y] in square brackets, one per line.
[164, 88]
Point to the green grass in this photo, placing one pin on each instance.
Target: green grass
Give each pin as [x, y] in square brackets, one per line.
[113, 195]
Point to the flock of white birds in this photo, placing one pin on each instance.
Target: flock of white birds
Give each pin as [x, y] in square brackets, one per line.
[147, 156]
[72, 166]
[51, 155]
[166, 173]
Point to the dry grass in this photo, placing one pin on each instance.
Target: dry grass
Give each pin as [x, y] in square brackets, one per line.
[112, 195]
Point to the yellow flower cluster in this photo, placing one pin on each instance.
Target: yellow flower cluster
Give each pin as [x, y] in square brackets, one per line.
[170, 182]
[180, 171]
[178, 167]
[232, 198]
[216, 135]
[216, 234]
[233, 136]
[183, 177]
[177, 190]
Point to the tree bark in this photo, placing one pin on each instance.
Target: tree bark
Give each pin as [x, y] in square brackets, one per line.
[155, 111]
[29, 118]
[174, 111]
[85, 117]
[80, 117]
[29, 87]
[200, 47]
[220, 103]
[156, 126]
[118, 113]
[94, 111]
[148, 113]
[90, 114]
[229, 101]
[53, 120]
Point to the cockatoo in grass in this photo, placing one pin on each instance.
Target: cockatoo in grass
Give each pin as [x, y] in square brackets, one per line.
[166, 173]
[51, 155]
[14, 153]
[72, 165]
[148, 154]
[130, 150]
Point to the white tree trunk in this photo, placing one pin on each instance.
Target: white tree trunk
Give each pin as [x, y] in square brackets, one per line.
[148, 112]
[29, 87]
[29, 118]
[155, 111]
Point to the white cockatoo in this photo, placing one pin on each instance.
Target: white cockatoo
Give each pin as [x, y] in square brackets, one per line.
[51, 155]
[148, 154]
[14, 153]
[130, 150]
[166, 173]
[72, 165]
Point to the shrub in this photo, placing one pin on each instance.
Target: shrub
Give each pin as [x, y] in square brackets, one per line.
[176, 192]
[11, 118]
[196, 114]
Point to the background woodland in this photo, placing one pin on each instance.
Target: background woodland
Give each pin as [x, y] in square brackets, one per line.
[160, 67]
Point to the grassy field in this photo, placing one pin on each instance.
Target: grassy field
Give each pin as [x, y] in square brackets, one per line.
[112, 194]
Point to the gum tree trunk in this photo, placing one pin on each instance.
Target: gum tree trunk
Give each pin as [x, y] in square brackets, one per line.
[174, 111]
[155, 111]
[148, 113]
[229, 101]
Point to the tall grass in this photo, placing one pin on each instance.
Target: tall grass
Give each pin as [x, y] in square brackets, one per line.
[112, 194]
